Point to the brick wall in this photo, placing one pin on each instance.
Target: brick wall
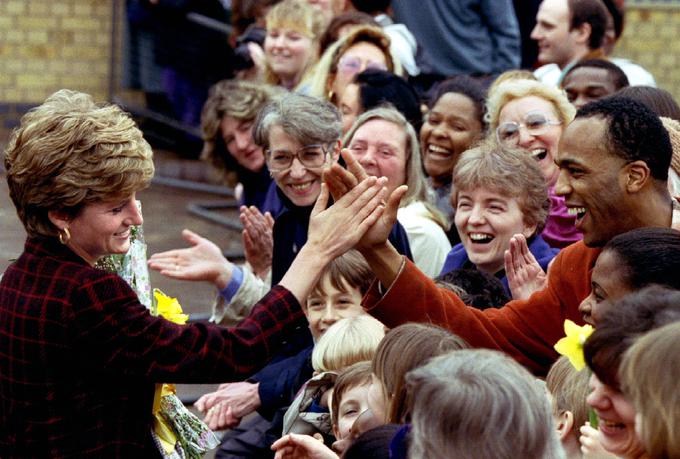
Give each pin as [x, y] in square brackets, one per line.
[46, 45]
[651, 38]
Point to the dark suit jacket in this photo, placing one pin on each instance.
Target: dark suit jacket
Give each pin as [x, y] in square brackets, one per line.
[79, 356]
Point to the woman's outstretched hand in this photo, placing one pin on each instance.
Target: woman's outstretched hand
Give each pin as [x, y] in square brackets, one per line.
[525, 275]
[333, 231]
[203, 261]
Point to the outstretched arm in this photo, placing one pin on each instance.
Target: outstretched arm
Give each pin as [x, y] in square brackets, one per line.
[203, 261]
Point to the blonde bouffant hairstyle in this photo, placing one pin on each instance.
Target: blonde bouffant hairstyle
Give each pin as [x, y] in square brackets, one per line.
[69, 152]
[649, 378]
[513, 89]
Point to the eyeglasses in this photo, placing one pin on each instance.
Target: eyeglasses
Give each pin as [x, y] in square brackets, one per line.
[351, 64]
[536, 123]
[311, 156]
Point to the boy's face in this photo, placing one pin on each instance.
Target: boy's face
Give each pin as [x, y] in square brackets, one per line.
[354, 402]
[326, 305]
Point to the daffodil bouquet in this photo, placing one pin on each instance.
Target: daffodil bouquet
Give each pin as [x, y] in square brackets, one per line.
[177, 432]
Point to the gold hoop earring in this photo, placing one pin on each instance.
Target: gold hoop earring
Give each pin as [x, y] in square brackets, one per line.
[331, 96]
[65, 237]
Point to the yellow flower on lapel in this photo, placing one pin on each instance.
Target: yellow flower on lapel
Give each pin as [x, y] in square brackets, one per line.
[571, 346]
[169, 308]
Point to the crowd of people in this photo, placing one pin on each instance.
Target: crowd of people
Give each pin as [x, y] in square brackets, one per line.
[423, 222]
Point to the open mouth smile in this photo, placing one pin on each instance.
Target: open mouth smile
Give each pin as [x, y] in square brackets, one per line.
[480, 238]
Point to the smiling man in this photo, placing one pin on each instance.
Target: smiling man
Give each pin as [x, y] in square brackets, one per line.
[613, 161]
[566, 32]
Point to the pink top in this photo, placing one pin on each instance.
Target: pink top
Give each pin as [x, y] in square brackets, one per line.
[559, 229]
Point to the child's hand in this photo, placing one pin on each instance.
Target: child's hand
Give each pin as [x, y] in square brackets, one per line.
[294, 446]
[590, 444]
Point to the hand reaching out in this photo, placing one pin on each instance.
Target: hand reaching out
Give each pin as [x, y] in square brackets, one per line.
[525, 275]
[294, 446]
[340, 181]
[203, 261]
[338, 228]
[225, 407]
[258, 242]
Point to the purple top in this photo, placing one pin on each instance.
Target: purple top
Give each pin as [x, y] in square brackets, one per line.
[559, 229]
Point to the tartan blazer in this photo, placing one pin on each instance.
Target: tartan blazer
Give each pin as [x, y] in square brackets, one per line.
[79, 356]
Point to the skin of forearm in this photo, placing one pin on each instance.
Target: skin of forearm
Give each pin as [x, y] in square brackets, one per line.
[305, 271]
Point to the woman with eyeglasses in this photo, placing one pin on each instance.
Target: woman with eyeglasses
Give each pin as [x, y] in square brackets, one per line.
[300, 136]
[531, 116]
[365, 47]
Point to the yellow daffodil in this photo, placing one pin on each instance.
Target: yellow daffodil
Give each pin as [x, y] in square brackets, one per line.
[571, 346]
[169, 308]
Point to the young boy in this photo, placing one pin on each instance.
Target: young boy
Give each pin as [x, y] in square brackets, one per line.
[337, 295]
[349, 400]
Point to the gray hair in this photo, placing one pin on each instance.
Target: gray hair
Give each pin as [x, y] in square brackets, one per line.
[480, 403]
[306, 119]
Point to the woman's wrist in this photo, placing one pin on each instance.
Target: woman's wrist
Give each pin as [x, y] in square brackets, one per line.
[223, 272]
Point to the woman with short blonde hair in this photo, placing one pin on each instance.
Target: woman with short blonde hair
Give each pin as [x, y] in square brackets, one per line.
[516, 88]
[85, 353]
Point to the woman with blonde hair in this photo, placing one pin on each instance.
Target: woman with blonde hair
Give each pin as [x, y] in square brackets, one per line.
[85, 353]
[291, 46]
[531, 116]
[365, 47]
[386, 144]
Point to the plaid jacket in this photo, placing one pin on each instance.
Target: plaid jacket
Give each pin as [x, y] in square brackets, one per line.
[79, 356]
